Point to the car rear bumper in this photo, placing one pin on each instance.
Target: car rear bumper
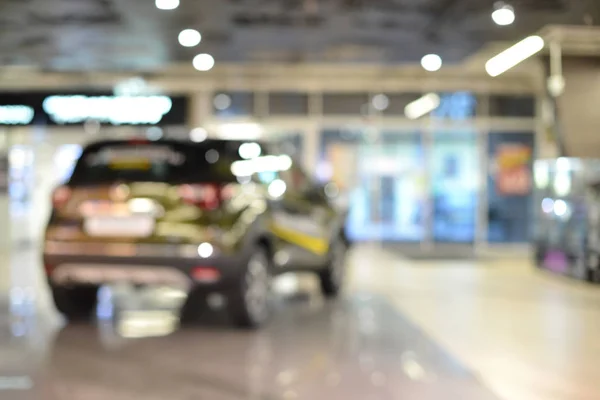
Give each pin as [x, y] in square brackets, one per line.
[71, 263]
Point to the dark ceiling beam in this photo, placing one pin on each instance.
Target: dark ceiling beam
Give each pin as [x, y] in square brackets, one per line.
[592, 10]
[440, 14]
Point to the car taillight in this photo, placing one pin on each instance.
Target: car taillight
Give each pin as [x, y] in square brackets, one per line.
[61, 196]
[205, 196]
[206, 274]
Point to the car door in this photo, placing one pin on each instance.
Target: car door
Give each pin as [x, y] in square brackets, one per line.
[301, 221]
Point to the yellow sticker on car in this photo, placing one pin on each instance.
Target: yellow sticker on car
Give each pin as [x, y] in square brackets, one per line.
[316, 245]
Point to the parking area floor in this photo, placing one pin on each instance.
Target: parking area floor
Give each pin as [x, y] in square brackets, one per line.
[402, 329]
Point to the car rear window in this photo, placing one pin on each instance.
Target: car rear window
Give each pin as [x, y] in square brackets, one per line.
[156, 162]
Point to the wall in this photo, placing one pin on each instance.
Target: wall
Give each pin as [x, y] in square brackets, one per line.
[578, 107]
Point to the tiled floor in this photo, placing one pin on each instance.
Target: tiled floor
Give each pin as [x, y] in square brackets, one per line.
[403, 330]
[527, 334]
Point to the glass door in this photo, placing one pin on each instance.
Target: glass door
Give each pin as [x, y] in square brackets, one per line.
[388, 199]
[455, 181]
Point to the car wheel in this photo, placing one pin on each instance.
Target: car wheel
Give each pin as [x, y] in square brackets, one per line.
[332, 276]
[75, 303]
[250, 302]
[194, 306]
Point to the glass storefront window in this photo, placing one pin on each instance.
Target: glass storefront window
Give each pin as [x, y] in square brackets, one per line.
[512, 106]
[398, 101]
[401, 190]
[455, 186]
[510, 183]
[384, 181]
[345, 103]
[231, 104]
[456, 106]
[288, 104]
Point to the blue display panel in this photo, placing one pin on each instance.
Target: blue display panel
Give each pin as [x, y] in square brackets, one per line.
[455, 186]
[456, 106]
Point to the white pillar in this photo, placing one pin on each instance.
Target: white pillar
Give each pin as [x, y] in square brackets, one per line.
[261, 104]
[546, 143]
[482, 220]
[5, 231]
[312, 134]
[199, 109]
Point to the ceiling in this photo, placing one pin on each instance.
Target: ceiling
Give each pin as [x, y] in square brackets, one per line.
[134, 35]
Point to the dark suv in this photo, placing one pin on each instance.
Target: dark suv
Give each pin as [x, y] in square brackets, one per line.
[212, 217]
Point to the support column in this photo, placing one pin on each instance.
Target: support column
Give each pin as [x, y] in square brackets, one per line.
[261, 104]
[555, 87]
[428, 141]
[483, 204]
[199, 109]
[483, 201]
[5, 231]
[312, 134]
[546, 145]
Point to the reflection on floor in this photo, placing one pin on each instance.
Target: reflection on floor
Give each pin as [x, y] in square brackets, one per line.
[403, 330]
[355, 348]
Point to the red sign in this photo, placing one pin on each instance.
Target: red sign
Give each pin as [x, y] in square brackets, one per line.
[513, 176]
[514, 182]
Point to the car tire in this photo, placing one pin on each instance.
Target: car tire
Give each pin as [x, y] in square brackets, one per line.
[249, 303]
[332, 276]
[194, 306]
[75, 303]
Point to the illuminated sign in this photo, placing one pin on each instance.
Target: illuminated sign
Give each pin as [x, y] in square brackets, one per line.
[16, 115]
[115, 110]
[513, 176]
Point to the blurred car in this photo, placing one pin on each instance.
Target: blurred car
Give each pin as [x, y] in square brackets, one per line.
[212, 217]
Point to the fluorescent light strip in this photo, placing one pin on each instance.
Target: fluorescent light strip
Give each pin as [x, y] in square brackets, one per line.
[422, 106]
[514, 55]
